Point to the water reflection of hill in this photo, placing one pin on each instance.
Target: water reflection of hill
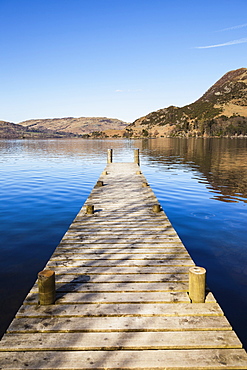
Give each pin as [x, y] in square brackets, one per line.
[221, 161]
[93, 150]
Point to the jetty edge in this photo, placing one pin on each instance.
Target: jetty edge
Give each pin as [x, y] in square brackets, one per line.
[123, 292]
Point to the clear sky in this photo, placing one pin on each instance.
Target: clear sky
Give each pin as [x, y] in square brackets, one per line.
[114, 58]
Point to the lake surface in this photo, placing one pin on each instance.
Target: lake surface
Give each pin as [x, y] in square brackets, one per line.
[200, 183]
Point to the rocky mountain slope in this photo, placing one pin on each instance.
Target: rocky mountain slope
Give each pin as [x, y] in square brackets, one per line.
[77, 126]
[221, 111]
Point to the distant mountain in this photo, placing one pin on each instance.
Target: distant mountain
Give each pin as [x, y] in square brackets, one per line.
[10, 130]
[85, 126]
[94, 127]
[221, 111]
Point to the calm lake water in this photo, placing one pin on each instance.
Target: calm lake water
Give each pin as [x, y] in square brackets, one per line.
[200, 183]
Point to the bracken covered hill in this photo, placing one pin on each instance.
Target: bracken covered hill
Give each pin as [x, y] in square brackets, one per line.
[10, 130]
[82, 126]
[88, 127]
[221, 111]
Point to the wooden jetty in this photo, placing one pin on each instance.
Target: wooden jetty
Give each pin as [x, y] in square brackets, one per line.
[121, 293]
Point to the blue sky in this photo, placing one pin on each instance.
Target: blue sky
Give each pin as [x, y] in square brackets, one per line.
[114, 58]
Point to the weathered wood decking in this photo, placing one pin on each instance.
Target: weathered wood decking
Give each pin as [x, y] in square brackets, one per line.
[122, 302]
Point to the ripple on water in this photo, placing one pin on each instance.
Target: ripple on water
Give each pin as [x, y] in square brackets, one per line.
[203, 215]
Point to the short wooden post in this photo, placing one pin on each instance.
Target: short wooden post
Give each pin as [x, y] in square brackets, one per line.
[197, 284]
[99, 184]
[136, 157]
[90, 209]
[156, 208]
[46, 285]
[109, 156]
[138, 172]
[144, 184]
[104, 173]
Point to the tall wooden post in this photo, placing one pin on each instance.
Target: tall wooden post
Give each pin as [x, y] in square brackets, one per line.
[197, 284]
[109, 156]
[46, 285]
[136, 157]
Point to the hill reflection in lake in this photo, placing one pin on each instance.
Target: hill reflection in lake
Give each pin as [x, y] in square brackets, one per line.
[201, 185]
[221, 161]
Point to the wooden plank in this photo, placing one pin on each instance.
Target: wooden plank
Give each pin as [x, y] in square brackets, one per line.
[108, 254]
[85, 220]
[113, 215]
[130, 297]
[101, 297]
[120, 232]
[117, 241]
[118, 324]
[79, 253]
[144, 226]
[126, 260]
[141, 212]
[131, 278]
[126, 270]
[121, 263]
[107, 227]
[88, 253]
[109, 238]
[198, 359]
[118, 341]
[118, 287]
[123, 246]
[119, 252]
[131, 309]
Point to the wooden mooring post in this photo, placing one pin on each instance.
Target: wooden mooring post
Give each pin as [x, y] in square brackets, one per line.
[109, 156]
[122, 279]
[137, 156]
[197, 284]
[90, 209]
[46, 284]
